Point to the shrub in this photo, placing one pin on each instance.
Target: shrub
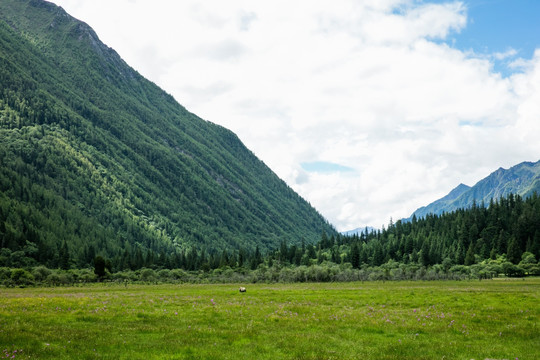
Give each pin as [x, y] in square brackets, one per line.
[512, 270]
[87, 276]
[21, 277]
[40, 273]
[164, 275]
[460, 270]
[179, 274]
[66, 278]
[148, 275]
[124, 276]
[99, 267]
[5, 273]
[53, 279]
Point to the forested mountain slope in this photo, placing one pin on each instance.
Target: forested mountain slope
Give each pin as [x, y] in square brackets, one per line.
[522, 179]
[95, 159]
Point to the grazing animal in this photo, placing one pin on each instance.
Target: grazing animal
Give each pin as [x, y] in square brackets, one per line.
[242, 289]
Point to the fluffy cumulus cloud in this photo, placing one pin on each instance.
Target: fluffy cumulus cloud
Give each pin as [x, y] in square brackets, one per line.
[362, 107]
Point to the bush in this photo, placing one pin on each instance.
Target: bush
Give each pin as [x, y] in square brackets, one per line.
[164, 275]
[5, 274]
[512, 270]
[53, 279]
[460, 270]
[180, 275]
[21, 277]
[147, 275]
[286, 275]
[318, 273]
[125, 276]
[66, 278]
[529, 264]
[534, 270]
[40, 273]
[87, 276]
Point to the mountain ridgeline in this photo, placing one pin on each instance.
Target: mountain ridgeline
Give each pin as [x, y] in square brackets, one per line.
[522, 179]
[97, 160]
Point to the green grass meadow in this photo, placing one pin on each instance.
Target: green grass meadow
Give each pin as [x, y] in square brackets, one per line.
[496, 319]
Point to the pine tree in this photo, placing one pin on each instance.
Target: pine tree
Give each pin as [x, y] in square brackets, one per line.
[424, 254]
[514, 252]
[64, 256]
[460, 255]
[241, 257]
[99, 267]
[335, 255]
[325, 242]
[378, 255]
[493, 254]
[257, 259]
[535, 246]
[363, 255]
[298, 256]
[355, 256]
[283, 251]
[469, 257]
[311, 252]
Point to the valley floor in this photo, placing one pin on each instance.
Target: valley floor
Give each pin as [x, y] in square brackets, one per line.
[495, 319]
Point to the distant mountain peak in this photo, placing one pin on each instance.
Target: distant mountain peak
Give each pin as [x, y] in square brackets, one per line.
[457, 191]
[359, 231]
[522, 179]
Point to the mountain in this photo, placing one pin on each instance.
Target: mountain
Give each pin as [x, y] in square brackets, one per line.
[522, 179]
[359, 231]
[95, 159]
[442, 203]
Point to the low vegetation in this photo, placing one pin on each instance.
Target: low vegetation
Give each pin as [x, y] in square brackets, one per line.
[495, 319]
[277, 273]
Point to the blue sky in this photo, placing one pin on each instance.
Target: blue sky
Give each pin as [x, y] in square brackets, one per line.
[321, 166]
[369, 109]
[496, 26]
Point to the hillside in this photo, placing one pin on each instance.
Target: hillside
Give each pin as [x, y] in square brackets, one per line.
[95, 159]
[522, 179]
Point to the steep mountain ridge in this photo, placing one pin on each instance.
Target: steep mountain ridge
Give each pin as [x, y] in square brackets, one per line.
[522, 179]
[97, 157]
[442, 202]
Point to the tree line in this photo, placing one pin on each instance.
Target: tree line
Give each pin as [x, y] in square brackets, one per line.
[479, 242]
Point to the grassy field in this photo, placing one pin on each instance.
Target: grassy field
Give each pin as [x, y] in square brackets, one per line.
[496, 319]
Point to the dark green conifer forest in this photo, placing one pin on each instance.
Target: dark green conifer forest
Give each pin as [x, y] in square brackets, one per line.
[104, 176]
[96, 160]
[508, 228]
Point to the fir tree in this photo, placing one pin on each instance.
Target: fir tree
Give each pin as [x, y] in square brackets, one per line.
[469, 257]
[355, 256]
[64, 256]
[99, 267]
[514, 252]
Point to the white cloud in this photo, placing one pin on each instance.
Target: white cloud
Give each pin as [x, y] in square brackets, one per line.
[505, 55]
[368, 85]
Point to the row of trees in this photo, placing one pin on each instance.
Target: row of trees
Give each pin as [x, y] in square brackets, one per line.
[502, 238]
[325, 272]
[508, 226]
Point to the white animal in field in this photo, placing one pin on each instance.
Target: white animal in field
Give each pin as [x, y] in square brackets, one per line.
[242, 289]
